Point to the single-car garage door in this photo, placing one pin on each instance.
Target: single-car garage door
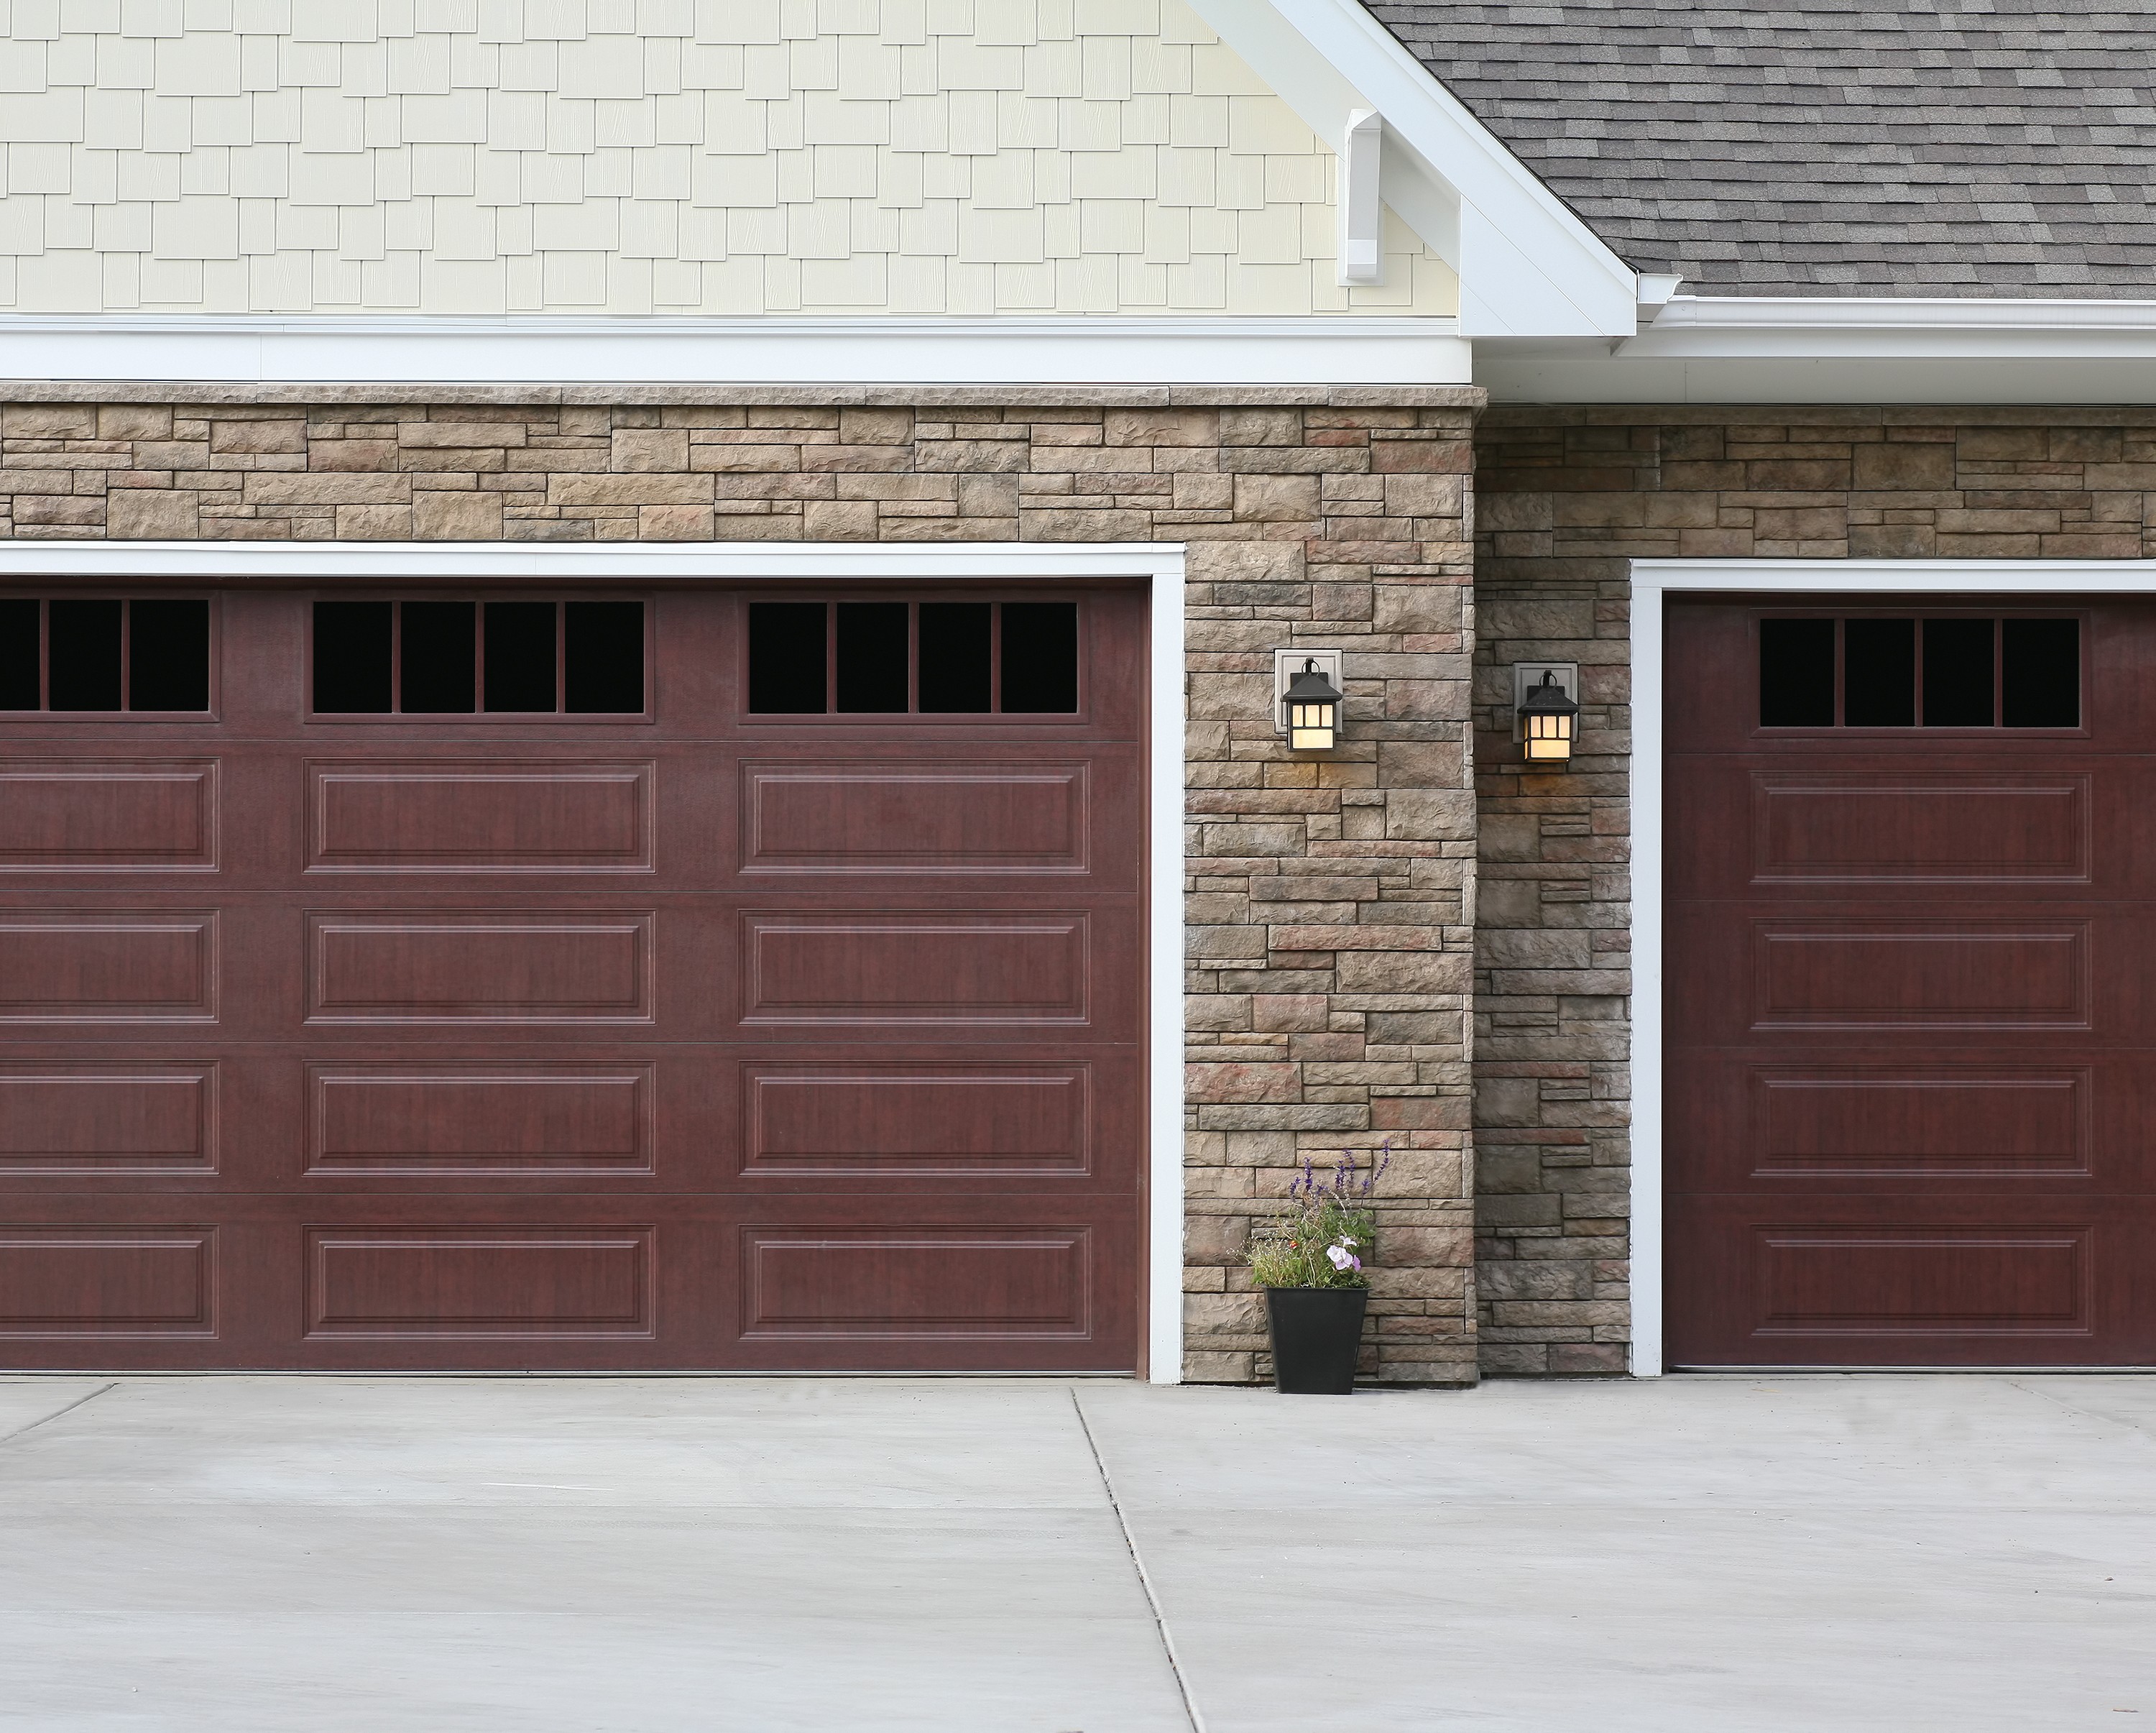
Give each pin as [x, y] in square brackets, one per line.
[686, 978]
[1911, 980]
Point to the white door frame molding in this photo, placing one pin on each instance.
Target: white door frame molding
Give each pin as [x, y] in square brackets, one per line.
[1161, 564]
[1652, 580]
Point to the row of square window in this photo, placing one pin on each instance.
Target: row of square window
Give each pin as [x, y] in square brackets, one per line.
[451, 658]
[1951, 672]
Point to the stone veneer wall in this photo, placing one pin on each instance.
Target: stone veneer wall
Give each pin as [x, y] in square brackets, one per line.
[1568, 495]
[1330, 901]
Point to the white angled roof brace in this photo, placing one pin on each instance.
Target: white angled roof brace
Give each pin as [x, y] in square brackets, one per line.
[1362, 208]
[1528, 267]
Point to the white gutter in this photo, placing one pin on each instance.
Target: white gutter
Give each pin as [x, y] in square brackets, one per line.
[1835, 349]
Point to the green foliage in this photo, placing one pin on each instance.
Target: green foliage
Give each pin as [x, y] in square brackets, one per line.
[1324, 1236]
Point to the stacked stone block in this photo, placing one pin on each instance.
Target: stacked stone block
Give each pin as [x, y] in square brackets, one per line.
[1330, 900]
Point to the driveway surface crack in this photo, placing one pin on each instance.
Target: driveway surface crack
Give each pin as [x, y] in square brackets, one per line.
[1145, 1579]
[91, 1397]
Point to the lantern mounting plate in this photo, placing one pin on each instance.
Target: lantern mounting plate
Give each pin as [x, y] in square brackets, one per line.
[1289, 663]
[1527, 676]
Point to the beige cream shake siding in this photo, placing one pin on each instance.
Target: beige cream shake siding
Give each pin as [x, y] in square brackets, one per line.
[663, 156]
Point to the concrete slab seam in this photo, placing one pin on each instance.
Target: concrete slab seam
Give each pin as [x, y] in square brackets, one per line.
[92, 1396]
[1145, 1578]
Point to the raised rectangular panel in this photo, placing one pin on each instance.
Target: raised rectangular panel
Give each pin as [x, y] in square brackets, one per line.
[123, 1119]
[108, 968]
[503, 1117]
[843, 968]
[974, 1284]
[915, 1119]
[1866, 827]
[1991, 1281]
[893, 818]
[128, 815]
[480, 966]
[434, 816]
[1821, 1123]
[109, 1282]
[1918, 975]
[384, 1283]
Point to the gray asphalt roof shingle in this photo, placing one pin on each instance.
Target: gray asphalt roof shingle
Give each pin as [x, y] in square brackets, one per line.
[1957, 148]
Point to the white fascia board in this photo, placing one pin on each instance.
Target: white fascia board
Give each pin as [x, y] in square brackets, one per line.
[1527, 266]
[632, 349]
[1730, 349]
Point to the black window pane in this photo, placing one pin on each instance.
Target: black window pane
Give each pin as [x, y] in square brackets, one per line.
[1958, 673]
[435, 657]
[1796, 673]
[519, 656]
[603, 657]
[1879, 673]
[954, 657]
[352, 658]
[786, 658]
[873, 654]
[1040, 657]
[167, 655]
[2040, 673]
[20, 656]
[82, 656]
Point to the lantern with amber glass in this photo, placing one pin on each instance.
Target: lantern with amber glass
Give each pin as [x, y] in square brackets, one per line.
[1313, 711]
[1548, 720]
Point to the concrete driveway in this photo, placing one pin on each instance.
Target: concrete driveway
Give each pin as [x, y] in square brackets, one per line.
[536, 1555]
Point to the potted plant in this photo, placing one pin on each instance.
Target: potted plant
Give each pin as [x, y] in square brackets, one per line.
[1309, 1261]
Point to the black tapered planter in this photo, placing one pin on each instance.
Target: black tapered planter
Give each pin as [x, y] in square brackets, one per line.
[1315, 1332]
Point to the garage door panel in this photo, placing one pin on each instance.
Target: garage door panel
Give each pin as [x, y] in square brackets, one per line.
[500, 965]
[1022, 817]
[939, 1122]
[77, 1119]
[1910, 1280]
[431, 1119]
[74, 815]
[93, 1283]
[522, 816]
[116, 965]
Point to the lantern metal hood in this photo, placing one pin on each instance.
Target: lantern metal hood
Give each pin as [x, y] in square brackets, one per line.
[1313, 709]
[1548, 720]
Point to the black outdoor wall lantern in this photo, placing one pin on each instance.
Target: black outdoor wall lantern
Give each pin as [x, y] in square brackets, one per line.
[1313, 710]
[1548, 719]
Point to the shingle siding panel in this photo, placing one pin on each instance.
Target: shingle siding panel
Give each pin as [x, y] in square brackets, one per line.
[1856, 149]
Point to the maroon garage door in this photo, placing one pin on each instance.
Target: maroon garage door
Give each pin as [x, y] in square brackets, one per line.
[674, 979]
[1910, 1063]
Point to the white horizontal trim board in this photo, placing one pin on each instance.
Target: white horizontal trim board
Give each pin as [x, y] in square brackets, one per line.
[1342, 349]
[1766, 349]
[1161, 563]
[1652, 580]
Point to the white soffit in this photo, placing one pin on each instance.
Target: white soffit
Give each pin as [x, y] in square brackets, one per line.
[1527, 266]
[1731, 349]
[627, 349]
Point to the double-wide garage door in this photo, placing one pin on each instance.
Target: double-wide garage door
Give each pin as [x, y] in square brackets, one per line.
[1911, 970]
[683, 978]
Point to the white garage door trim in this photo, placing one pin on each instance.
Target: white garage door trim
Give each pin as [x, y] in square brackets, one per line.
[1652, 579]
[1033, 562]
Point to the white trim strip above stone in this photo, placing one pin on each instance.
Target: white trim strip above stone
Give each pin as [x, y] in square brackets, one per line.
[542, 350]
[1161, 563]
[1652, 579]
